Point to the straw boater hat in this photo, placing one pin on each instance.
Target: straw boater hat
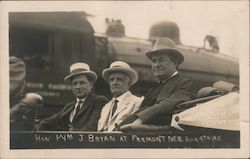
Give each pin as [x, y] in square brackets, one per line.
[120, 66]
[80, 68]
[166, 46]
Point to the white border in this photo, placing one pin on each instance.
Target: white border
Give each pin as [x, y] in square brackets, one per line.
[9, 6]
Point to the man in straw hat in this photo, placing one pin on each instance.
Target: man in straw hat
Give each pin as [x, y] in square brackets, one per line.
[120, 77]
[172, 88]
[82, 114]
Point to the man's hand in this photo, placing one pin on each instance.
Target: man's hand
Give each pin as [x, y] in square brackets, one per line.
[137, 123]
[138, 126]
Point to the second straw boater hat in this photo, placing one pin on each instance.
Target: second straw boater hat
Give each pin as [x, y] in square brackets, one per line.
[80, 68]
[120, 66]
[166, 46]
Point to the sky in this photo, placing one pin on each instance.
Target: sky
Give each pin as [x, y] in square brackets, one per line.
[226, 20]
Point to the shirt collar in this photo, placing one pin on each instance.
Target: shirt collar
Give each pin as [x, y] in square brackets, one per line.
[78, 100]
[120, 98]
[175, 73]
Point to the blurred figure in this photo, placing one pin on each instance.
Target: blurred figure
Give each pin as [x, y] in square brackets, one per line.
[23, 107]
[115, 28]
[83, 113]
[213, 43]
[23, 112]
[17, 77]
[172, 88]
[120, 77]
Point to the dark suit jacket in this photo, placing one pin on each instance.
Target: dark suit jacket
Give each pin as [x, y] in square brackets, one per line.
[175, 91]
[85, 120]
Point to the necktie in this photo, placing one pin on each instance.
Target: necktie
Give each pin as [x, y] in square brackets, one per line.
[73, 114]
[114, 107]
[78, 107]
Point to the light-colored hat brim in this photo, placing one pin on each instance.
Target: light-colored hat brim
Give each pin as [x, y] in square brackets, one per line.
[88, 73]
[133, 76]
[173, 52]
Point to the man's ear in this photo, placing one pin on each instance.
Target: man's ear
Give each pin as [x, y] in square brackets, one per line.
[174, 60]
[91, 83]
[129, 82]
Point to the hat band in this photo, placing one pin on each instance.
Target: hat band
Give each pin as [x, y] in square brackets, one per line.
[116, 66]
[120, 67]
[78, 70]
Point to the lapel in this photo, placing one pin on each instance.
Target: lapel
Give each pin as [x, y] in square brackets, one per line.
[87, 103]
[123, 104]
[168, 87]
[69, 109]
[103, 121]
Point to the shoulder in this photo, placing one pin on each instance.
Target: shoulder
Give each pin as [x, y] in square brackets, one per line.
[69, 104]
[134, 97]
[99, 99]
[106, 106]
[184, 80]
[186, 83]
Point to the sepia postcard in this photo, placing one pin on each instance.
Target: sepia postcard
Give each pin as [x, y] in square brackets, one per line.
[124, 79]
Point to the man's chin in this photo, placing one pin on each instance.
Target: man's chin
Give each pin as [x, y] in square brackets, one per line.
[81, 96]
[160, 76]
[116, 93]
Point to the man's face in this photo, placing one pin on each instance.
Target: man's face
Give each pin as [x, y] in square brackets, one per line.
[162, 66]
[118, 83]
[81, 86]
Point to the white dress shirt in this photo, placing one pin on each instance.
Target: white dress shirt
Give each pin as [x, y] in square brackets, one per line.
[73, 113]
[175, 73]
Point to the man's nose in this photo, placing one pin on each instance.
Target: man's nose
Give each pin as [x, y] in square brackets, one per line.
[157, 63]
[114, 81]
[78, 85]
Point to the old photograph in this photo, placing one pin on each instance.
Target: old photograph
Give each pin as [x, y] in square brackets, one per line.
[106, 77]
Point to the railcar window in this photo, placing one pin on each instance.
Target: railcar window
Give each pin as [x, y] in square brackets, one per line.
[31, 45]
